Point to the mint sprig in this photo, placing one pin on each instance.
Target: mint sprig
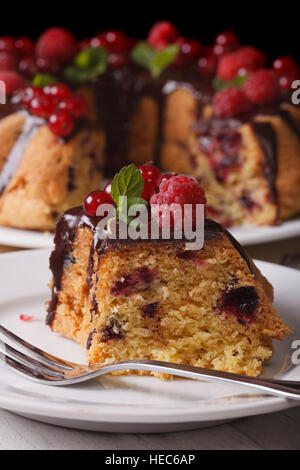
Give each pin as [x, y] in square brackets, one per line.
[127, 183]
[89, 63]
[156, 61]
[237, 82]
[43, 79]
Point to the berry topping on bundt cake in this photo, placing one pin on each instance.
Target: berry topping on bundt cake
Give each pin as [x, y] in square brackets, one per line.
[125, 298]
[50, 156]
[216, 112]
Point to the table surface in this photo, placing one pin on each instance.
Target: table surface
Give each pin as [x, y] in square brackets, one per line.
[253, 433]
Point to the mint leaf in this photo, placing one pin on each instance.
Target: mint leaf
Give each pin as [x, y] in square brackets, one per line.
[156, 61]
[163, 59]
[43, 79]
[143, 54]
[129, 182]
[89, 63]
[238, 82]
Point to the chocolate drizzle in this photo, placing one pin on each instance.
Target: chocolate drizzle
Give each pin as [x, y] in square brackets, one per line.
[72, 220]
[30, 127]
[118, 94]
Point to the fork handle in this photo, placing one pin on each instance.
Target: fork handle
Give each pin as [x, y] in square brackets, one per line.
[284, 389]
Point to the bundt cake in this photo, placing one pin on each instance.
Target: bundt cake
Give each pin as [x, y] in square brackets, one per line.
[41, 173]
[158, 299]
[214, 112]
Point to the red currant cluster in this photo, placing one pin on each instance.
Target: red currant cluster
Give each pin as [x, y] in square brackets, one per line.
[55, 103]
[152, 180]
[117, 44]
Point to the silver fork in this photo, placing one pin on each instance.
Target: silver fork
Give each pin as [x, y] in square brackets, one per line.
[43, 368]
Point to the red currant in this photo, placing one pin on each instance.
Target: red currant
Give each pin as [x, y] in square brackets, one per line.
[94, 200]
[7, 44]
[27, 67]
[47, 65]
[24, 46]
[207, 66]
[227, 38]
[98, 41]
[151, 173]
[116, 41]
[42, 107]
[149, 190]
[117, 60]
[286, 66]
[286, 82]
[59, 91]
[61, 124]
[74, 105]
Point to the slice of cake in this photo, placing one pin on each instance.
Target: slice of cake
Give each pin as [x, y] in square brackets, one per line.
[156, 299]
[48, 161]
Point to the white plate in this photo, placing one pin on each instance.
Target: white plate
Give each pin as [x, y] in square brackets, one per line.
[246, 235]
[126, 404]
[25, 238]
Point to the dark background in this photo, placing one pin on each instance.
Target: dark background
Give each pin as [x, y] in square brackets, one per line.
[275, 29]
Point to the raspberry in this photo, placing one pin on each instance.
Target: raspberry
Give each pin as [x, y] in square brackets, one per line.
[56, 44]
[244, 59]
[162, 34]
[262, 87]
[231, 102]
[179, 190]
[13, 81]
[8, 61]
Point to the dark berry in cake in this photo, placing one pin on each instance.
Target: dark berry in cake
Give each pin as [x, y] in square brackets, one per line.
[150, 310]
[243, 60]
[241, 302]
[230, 102]
[112, 331]
[94, 200]
[140, 278]
[262, 87]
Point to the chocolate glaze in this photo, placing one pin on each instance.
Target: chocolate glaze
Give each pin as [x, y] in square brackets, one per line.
[30, 127]
[118, 94]
[66, 229]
